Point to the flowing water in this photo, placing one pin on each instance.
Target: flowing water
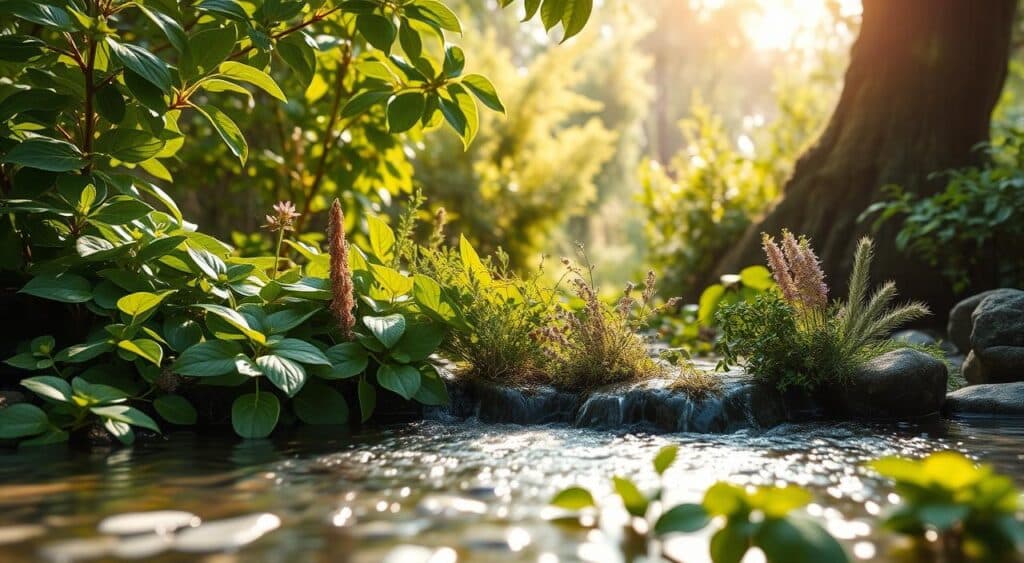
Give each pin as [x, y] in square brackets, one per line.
[440, 491]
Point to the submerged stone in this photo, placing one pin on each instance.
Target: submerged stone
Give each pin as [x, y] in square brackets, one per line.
[903, 383]
[993, 399]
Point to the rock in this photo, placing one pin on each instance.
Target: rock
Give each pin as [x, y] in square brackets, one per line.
[993, 399]
[960, 325]
[903, 383]
[917, 337]
[997, 340]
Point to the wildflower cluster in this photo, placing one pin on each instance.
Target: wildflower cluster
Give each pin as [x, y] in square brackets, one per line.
[793, 337]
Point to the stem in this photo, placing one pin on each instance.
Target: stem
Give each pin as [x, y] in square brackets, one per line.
[90, 91]
[288, 31]
[277, 252]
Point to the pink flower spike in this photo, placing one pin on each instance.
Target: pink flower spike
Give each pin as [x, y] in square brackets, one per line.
[780, 270]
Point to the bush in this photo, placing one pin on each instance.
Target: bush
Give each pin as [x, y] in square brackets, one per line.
[965, 229]
[792, 336]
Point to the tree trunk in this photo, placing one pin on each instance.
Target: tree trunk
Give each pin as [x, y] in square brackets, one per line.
[923, 78]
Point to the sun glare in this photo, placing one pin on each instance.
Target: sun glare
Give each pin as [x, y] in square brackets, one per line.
[782, 25]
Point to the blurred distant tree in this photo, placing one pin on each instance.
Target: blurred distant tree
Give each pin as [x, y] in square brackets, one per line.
[923, 79]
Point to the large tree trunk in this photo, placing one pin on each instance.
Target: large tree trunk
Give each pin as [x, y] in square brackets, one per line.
[923, 79]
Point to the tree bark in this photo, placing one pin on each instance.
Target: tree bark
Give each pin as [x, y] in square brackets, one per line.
[923, 78]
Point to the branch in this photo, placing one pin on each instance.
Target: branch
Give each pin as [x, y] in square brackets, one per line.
[301, 25]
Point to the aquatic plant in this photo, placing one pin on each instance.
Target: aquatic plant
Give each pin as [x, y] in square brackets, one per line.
[974, 511]
[746, 517]
[794, 337]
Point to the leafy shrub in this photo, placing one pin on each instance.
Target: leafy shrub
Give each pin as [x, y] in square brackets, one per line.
[751, 517]
[974, 509]
[793, 337]
[964, 228]
[599, 344]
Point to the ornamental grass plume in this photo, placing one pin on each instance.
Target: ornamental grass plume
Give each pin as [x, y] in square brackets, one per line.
[343, 300]
[797, 271]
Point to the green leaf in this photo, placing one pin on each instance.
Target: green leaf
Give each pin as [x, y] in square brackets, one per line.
[363, 101]
[141, 305]
[129, 145]
[300, 351]
[66, 288]
[436, 13]
[460, 112]
[367, 399]
[757, 277]
[319, 404]
[208, 263]
[402, 379]
[254, 415]
[404, 111]
[145, 92]
[207, 359]
[798, 540]
[144, 348]
[482, 88]
[207, 49]
[729, 544]
[433, 390]
[348, 359]
[382, 239]
[230, 9]
[40, 13]
[171, 29]
[454, 61]
[52, 435]
[776, 502]
[283, 321]
[287, 375]
[110, 104]
[685, 518]
[551, 12]
[236, 320]
[181, 332]
[472, 265]
[430, 298]
[121, 209]
[121, 430]
[20, 48]
[299, 52]
[634, 501]
[88, 393]
[81, 353]
[50, 387]
[709, 300]
[254, 76]
[227, 129]
[574, 498]
[176, 410]
[575, 14]
[388, 330]
[43, 153]
[127, 415]
[418, 343]
[142, 62]
[725, 499]
[391, 280]
[26, 361]
[378, 30]
[21, 420]
[665, 458]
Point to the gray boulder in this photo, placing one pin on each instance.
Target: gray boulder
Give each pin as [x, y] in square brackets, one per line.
[997, 340]
[960, 325]
[903, 383]
[994, 399]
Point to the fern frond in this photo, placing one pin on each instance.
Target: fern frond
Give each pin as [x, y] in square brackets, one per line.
[879, 327]
[876, 307]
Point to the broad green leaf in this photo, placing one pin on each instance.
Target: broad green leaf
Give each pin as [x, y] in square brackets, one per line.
[208, 263]
[725, 499]
[709, 300]
[551, 12]
[227, 129]
[729, 544]
[363, 101]
[20, 48]
[128, 145]
[472, 265]
[300, 351]
[81, 353]
[145, 348]
[46, 154]
[207, 359]
[298, 51]
[142, 62]
[41, 13]
[757, 277]
[171, 29]
[798, 540]
[418, 343]
[87, 393]
[482, 88]
[404, 111]
[348, 359]
[634, 501]
[120, 430]
[236, 320]
[254, 76]
[52, 435]
[66, 288]
[21, 420]
[254, 415]
[402, 379]
[141, 305]
[176, 410]
[319, 404]
[391, 280]
[575, 14]
[433, 390]
[287, 375]
[388, 330]
[121, 209]
[181, 332]
[50, 387]
[435, 12]
[574, 498]
[127, 415]
[685, 518]
[283, 321]
[230, 9]
[378, 30]
[382, 239]
[776, 502]
[207, 49]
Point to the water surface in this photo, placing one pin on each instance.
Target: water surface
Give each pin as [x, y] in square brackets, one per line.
[445, 491]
